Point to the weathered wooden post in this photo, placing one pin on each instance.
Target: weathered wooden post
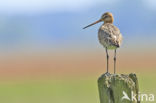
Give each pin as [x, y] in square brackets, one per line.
[118, 88]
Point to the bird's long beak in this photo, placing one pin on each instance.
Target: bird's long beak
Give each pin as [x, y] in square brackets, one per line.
[92, 24]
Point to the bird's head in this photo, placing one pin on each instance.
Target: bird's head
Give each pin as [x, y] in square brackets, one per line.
[106, 18]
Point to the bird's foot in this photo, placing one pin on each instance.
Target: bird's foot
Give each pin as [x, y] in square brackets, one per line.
[107, 73]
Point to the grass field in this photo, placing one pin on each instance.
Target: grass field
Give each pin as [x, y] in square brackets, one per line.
[67, 90]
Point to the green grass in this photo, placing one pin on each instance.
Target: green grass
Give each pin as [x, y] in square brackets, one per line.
[147, 85]
[49, 91]
[78, 90]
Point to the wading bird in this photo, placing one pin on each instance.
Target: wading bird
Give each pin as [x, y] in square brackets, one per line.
[109, 36]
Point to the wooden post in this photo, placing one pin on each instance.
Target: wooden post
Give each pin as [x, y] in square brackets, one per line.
[118, 88]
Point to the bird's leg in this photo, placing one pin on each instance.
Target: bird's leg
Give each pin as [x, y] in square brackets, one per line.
[107, 59]
[115, 61]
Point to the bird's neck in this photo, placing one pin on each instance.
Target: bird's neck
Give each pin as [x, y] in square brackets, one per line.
[109, 20]
[107, 23]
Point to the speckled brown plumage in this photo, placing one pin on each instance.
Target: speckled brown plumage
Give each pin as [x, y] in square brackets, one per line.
[109, 35]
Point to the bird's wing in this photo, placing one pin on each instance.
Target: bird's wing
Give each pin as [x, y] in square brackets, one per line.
[112, 34]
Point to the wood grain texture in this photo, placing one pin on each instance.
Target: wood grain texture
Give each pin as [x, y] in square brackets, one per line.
[112, 86]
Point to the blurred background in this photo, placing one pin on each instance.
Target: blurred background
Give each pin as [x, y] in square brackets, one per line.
[46, 56]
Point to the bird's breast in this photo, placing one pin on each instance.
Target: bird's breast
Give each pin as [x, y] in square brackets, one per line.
[109, 36]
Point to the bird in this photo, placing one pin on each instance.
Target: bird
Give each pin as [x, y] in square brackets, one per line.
[109, 36]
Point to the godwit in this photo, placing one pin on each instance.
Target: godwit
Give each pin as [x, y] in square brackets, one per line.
[109, 36]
